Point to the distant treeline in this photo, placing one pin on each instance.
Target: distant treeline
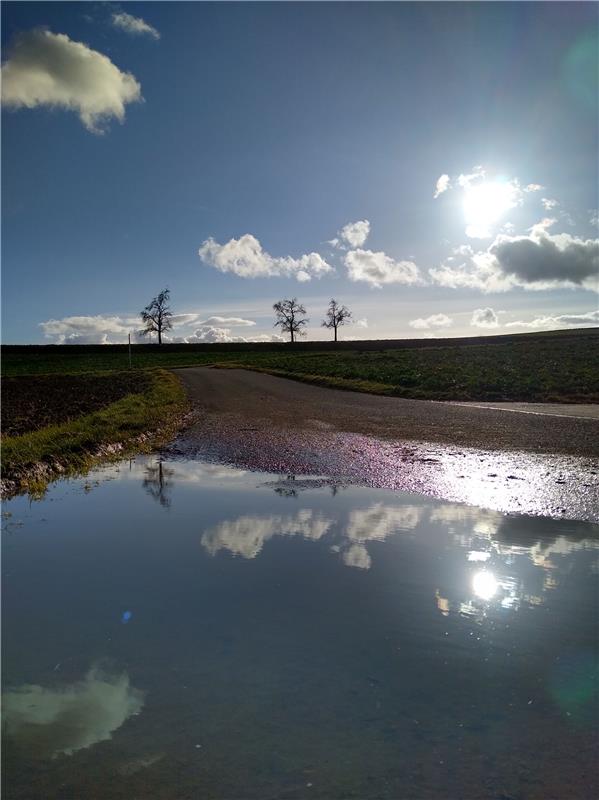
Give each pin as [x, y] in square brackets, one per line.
[590, 334]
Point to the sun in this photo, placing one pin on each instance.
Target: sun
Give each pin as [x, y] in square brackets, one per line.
[485, 204]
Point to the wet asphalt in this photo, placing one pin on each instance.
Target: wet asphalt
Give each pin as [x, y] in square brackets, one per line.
[535, 463]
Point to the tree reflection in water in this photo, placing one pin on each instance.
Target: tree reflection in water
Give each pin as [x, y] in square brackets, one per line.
[157, 482]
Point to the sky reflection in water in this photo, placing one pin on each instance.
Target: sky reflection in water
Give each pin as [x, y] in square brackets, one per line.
[286, 635]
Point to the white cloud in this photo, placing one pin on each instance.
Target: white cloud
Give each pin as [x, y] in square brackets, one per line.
[594, 217]
[246, 258]
[48, 69]
[590, 319]
[434, 321]
[378, 269]
[97, 329]
[362, 323]
[442, 185]
[267, 337]
[354, 234]
[466, 180]
[484, 318]
[533, 187]
[549, 203]
[211, 334]
[232, 322]
[467, 269]
[113, 329]
[134, 25]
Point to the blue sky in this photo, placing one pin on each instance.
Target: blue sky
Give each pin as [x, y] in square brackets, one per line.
[298, 147]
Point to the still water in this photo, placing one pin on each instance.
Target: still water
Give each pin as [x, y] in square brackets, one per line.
[186, 630]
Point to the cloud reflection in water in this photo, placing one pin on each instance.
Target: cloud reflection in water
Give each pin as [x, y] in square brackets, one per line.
[51, 721]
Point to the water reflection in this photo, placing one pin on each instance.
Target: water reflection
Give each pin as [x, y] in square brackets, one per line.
[506, 562]
[246, 535]
[484, 585]
[50, 721]
[158, 482]
[373, 644]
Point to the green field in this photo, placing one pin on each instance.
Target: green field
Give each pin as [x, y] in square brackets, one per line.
[557, 367]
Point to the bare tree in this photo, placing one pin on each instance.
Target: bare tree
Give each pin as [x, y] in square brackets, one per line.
[156, 315]
[336, 315]
[289, 317]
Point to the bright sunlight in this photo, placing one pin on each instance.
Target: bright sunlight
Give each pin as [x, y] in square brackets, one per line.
[485, 204]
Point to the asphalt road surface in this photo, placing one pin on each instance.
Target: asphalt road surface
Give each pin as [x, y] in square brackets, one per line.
[267, 402]
[531, 463]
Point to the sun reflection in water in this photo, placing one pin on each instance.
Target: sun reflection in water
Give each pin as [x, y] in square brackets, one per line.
[484, 585]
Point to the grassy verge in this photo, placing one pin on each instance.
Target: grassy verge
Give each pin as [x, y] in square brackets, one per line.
[136, 422]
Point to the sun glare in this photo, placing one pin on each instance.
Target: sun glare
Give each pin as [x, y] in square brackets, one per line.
[484, 585]
[485, 203]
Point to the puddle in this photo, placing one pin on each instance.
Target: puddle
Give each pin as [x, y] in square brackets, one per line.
[185, 629]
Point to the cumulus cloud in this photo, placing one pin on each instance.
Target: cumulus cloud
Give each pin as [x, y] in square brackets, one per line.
[378, 269]
[212, 334]
[484, 318]
[232, 322]
[54, 721]
[98, 329]
[539, 260]
[533, 187]
[354, 234]
[434, 321]
[362, 323]
[590, 319]
[246, 258]
[442, 185]
[543, 260]
[594, 218]
[48, 69]
[136, 26]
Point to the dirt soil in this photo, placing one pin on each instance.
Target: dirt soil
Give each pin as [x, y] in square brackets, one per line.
[35, 401]
[512, 462]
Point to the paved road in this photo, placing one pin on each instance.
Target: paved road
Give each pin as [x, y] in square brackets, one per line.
[266, 402]
[584, 410]
[510, 462]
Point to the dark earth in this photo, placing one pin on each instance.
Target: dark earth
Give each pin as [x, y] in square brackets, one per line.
[31, 402]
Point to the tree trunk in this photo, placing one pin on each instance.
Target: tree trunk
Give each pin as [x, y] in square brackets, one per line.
[335, 333]
[291, 332]
[159, 336]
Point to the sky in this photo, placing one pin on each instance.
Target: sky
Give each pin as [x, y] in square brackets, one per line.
[432, 166]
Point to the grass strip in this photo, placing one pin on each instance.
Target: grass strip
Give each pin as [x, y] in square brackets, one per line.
[135, 423]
